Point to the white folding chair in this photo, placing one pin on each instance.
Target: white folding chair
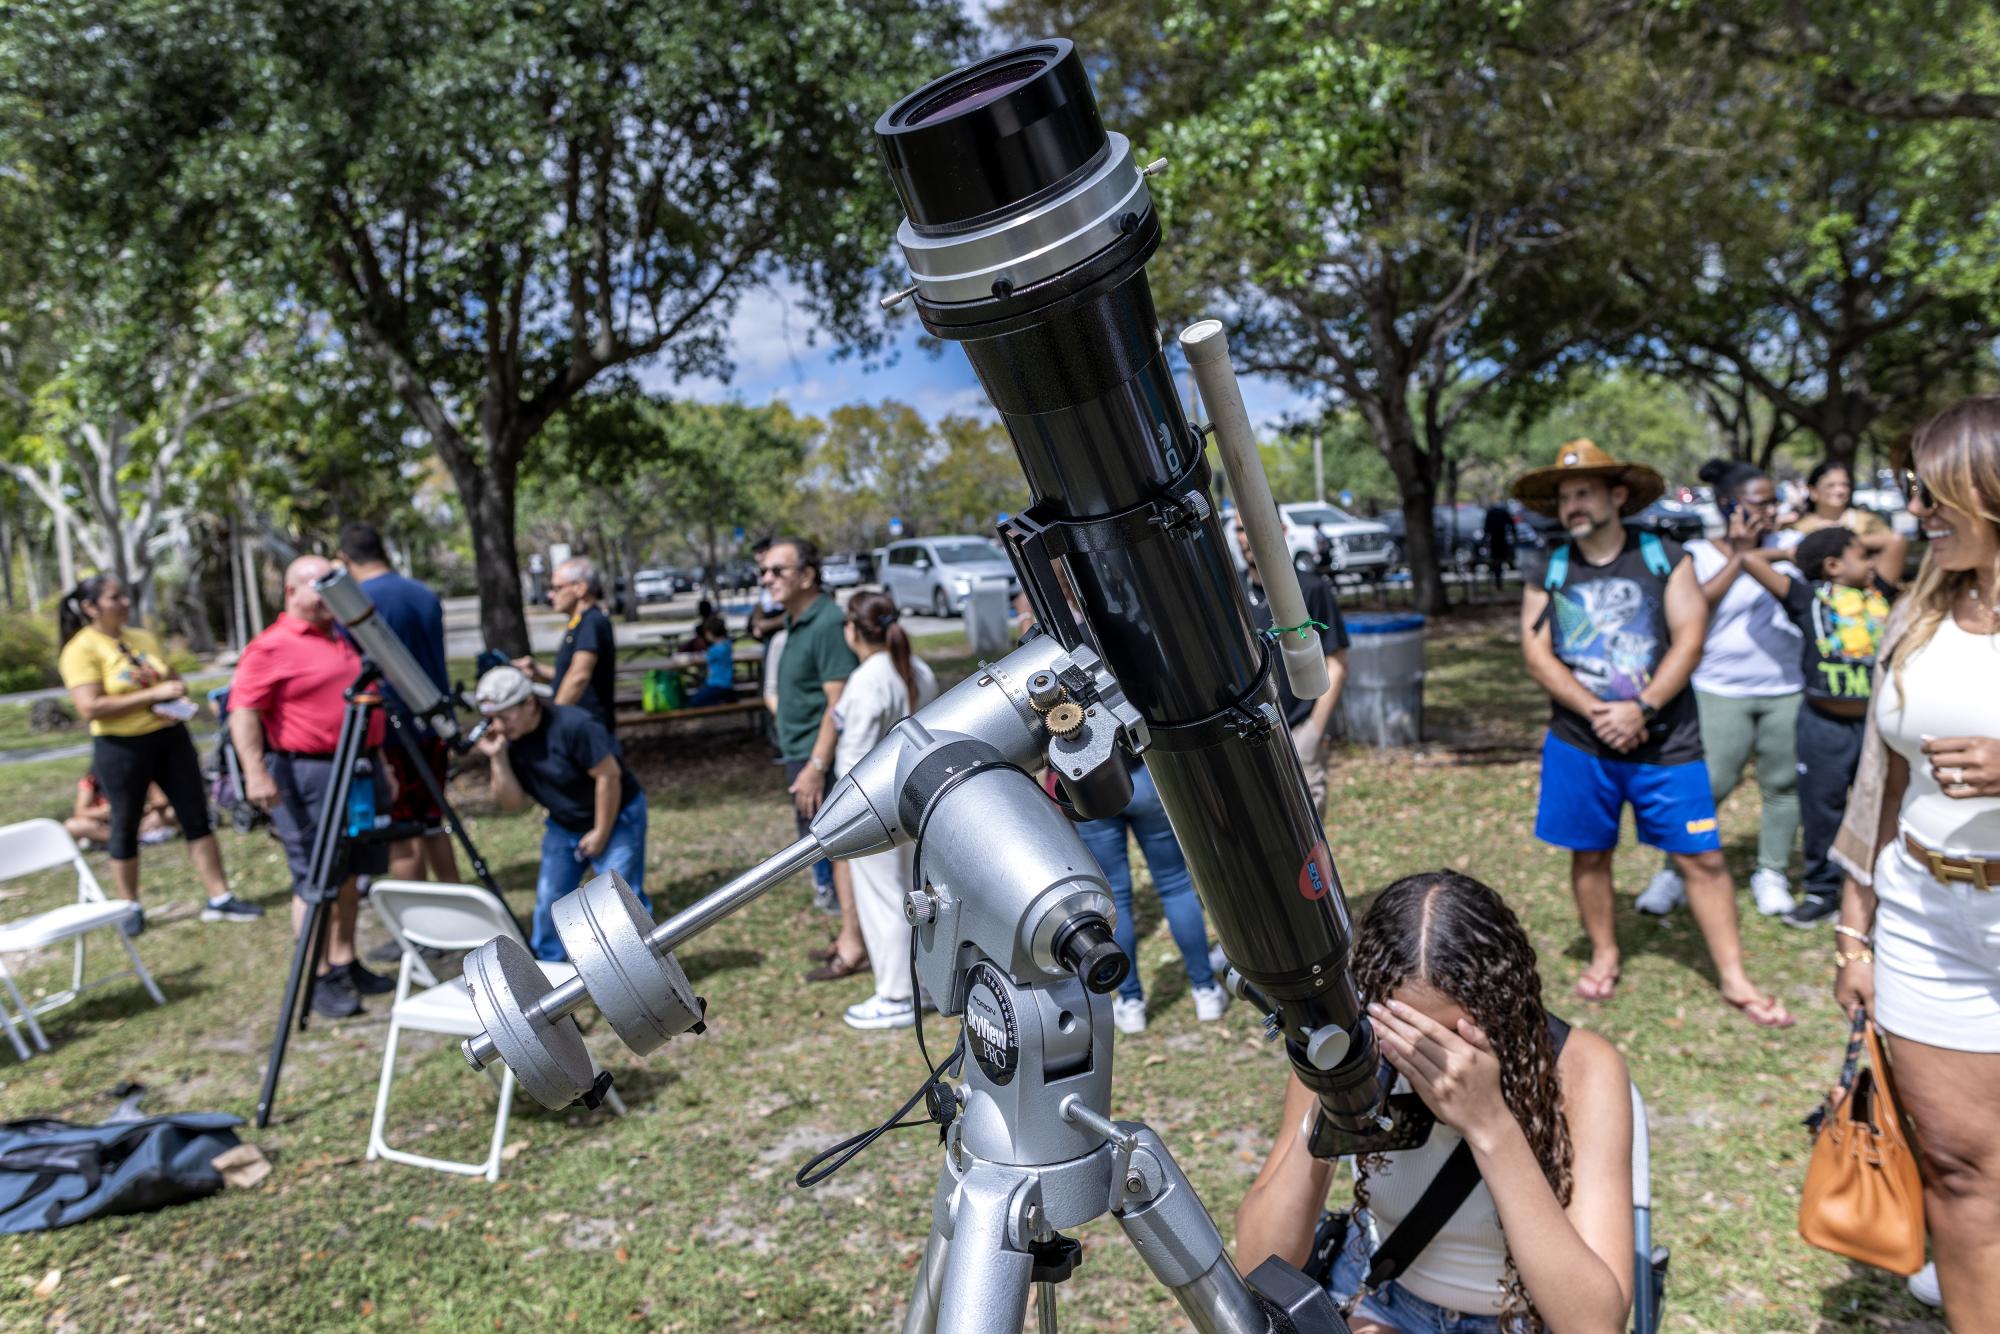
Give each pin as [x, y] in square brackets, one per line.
[422, 914]
[1645, 1301]
[43, 845]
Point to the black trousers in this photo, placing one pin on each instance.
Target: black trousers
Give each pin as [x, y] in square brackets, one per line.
[127, 766]
[1829, 753]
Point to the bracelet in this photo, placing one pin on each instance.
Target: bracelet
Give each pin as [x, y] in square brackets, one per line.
[1842, 958]
[1851, 933]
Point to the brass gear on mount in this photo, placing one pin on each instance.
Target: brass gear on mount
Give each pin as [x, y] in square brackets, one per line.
[1065, 720]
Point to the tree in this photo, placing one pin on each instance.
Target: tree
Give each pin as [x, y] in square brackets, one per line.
[1411, 210]
[627, 469]
[498, 207]
[1845, 275]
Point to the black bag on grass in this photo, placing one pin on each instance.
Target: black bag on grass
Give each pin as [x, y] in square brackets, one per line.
[53, 1173]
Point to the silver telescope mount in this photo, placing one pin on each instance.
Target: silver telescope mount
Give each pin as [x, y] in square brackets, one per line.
[1011, 920]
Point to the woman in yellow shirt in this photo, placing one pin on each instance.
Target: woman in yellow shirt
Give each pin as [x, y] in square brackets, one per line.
[137, 707]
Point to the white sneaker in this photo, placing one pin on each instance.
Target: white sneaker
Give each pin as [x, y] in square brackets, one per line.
[1664, 893]
[1209, 1002]
[1218, 962]
[878, 1011]
[1923, 1286]
[1129, 1015]
[1772, 892]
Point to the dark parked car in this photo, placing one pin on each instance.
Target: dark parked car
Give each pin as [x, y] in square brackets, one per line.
[1670, 518]
[1458, 530]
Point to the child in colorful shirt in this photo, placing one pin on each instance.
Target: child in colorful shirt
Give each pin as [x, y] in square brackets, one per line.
[1840, 608]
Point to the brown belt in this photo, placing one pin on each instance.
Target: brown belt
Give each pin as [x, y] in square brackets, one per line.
[1976, 871]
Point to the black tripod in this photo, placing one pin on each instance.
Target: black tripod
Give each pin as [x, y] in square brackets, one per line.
[332, 844]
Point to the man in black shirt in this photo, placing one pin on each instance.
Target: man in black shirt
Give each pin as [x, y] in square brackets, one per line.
[1612, 623]
[564, 761]
[586, 670]
[1308, 718]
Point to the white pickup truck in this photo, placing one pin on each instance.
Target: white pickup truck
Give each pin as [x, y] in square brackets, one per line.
[1353, 546]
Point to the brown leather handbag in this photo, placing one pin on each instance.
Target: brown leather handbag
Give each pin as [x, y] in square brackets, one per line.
[1864, 1198]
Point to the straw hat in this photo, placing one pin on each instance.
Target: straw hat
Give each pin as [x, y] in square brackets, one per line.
[1582, 458]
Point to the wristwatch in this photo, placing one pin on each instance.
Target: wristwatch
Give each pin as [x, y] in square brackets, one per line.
[819, 765]
[1646, 710]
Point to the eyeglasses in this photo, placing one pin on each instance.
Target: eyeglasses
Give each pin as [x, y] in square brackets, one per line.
[775, 570]
[1917, 488]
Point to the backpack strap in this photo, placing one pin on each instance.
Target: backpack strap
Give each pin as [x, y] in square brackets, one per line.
[1558, 572]
[1654, 552]
[1449, 1189]
[1553, 579]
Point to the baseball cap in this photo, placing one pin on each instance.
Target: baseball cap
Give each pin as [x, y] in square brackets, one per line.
[502, 688]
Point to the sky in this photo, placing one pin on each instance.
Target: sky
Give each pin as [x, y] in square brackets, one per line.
[780, 353]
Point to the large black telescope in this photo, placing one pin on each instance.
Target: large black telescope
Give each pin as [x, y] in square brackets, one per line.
[1028, 230]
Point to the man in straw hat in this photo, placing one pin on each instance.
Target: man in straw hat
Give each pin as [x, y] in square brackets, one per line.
[1612, 622]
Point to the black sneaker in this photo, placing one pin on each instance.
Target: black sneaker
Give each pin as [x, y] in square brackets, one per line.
[1811, 911]
[334, 996]
[230, 909]
[367, 983]
[135, 925]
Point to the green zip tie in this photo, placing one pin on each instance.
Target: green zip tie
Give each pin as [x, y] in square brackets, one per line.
[1280, 631]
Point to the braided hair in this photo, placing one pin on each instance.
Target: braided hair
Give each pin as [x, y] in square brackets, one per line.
[1459, 938]
[875, 619]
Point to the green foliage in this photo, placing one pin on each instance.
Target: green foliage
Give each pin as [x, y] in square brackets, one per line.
[27, 651]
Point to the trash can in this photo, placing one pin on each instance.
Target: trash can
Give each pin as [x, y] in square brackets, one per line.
[1383, 702]
[987, 629]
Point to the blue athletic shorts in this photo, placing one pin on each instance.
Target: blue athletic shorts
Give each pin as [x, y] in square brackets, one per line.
[1584, 796]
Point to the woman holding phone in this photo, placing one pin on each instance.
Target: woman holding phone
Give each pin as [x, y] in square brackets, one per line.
[137, 707]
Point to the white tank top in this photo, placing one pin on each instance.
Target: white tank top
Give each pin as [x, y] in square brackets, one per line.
[1954, 690]
[1752, 649]
[1464, 1268]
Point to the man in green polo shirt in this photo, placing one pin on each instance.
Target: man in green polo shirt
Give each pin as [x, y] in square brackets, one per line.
[811, 672]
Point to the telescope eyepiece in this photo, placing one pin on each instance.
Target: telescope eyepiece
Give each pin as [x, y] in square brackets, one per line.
[1084, 945]
[997, 135]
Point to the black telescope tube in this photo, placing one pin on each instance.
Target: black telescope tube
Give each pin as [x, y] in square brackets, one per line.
[1075, 363]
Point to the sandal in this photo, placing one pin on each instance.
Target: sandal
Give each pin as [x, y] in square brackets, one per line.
[823, 953]
[836, 968]
[1764, 1011]
[1598, 986]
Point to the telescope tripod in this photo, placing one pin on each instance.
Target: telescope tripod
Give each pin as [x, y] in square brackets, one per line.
[332, 844]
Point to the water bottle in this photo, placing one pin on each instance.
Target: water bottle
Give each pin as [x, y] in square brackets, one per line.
[361, 800]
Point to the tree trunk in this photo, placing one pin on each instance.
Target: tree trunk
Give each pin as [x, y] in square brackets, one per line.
[489, 505]
[1396, 436]
[7, 559]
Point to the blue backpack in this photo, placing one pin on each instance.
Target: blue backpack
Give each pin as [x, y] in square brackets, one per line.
[53, 1173]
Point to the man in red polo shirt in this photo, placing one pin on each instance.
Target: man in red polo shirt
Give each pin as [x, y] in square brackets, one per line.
[285, 708]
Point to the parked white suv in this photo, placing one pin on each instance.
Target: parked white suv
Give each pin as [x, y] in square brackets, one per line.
[935, 574]
[1354, 545]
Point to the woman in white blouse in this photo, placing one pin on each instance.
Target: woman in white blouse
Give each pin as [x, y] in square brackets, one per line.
[1919, 933]
[890, 684]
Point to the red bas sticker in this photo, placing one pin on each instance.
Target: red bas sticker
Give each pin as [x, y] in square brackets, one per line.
[1316, 876]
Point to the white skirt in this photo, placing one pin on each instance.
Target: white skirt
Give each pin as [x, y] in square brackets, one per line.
[1937, 956]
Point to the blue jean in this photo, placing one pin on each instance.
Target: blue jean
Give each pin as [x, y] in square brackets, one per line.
[1145, 819]
[1392, 1305]
[562, 871]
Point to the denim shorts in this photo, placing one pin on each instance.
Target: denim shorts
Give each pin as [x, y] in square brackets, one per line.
[1392, 1305]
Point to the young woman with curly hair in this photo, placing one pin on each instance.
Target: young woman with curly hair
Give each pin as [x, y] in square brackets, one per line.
[1545, 1240]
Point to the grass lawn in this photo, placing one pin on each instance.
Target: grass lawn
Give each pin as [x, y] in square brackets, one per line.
[683, 1215]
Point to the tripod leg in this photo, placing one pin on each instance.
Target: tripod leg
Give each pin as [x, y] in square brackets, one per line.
[1045, 1307]
[405, 734]
[922, 1316]
[300, 953]
[985, 1284]
[327, 839]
